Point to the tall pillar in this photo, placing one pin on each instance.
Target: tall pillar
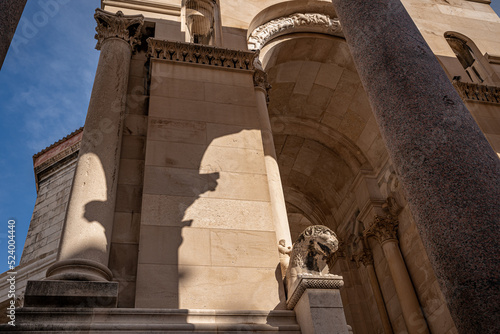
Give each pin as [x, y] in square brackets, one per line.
[448, 170]
[85, 241]
[278, 205]
[385, 229]
[366, 257]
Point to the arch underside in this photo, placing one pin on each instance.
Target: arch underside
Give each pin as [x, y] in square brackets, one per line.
[324, 130]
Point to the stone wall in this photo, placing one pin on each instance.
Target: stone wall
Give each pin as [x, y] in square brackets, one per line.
[48, 215]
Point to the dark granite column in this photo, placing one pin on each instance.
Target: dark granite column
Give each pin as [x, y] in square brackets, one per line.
[10, 14]
[448, 170]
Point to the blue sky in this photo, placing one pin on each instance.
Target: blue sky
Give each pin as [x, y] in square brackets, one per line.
[45, 86]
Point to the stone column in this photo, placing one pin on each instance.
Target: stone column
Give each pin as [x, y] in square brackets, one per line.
[447, 168]
[84, 247]
[385, 229]
[367, 259]
[278, 205]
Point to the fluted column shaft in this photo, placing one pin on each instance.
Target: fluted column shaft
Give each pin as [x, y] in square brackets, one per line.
[450, 174]
[85, 241]
[278, 205]
[377, 294]
[385, 230]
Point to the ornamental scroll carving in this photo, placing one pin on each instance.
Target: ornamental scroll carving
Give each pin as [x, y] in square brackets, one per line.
[201, 54]
[126, 27]
[476, 92]
[385, 227]
[298, 21]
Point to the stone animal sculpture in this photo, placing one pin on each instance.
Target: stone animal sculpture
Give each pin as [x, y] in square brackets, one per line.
[310, 253]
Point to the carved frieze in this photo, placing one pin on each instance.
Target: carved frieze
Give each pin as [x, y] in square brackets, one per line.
[126, 27]
[298, 21]
[476, 92]
[201, 54]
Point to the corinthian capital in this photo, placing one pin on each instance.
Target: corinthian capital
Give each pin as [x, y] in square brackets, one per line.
[126, 27]
[384, 228]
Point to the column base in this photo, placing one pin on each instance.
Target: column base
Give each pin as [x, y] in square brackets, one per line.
[79, 270]
[71, 294]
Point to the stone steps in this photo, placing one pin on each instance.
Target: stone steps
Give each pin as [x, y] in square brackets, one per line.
[79, 320]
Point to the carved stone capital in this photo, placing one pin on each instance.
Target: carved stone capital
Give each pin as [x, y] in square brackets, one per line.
[384, 229]
[126, 27]
[298, 22]
[305, 282]
[358, 250]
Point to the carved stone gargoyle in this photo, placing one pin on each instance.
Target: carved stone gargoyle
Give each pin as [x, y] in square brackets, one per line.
[310, 254]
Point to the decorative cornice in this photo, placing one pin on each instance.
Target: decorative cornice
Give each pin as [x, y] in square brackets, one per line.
[296, 22]
[126, 27]
[48, 148]
[476, 92]
[201, 54]
[313, 282]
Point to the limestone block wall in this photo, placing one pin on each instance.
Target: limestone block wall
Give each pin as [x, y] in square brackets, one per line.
[48, 216]
[207, 238]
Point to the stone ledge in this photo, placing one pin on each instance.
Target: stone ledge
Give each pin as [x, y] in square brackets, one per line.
[305, 282]
[98, 320]
[71, 294]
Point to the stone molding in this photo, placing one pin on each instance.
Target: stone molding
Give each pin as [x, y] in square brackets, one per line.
[145, 6]
[476, 92]
[313, 282]
[125, 27]
[201, 54]
[314, 22]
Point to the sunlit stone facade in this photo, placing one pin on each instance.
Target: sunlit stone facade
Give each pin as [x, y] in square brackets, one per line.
[218, 131]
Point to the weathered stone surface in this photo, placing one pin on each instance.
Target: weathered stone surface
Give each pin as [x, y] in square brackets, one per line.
[448, 169]
[70, 294]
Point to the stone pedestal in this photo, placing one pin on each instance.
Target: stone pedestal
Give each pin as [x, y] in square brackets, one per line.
[318, 306]
[450, 174]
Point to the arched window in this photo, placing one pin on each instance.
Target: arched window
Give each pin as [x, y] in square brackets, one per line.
[200, 17]
[472, 60]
